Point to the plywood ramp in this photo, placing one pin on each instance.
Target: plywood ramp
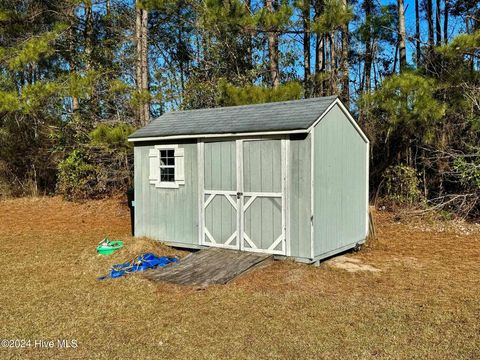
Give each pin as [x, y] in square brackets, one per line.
[209, 266]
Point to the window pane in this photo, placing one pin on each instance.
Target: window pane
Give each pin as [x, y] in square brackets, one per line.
[170, 161]
[170, 153]
[167, 174]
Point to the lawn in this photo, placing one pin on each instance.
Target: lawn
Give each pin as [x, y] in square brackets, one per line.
[424, 303]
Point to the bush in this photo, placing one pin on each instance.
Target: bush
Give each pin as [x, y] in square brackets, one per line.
[75, 176]
[100, 168]
[401, 185]
[468, 172]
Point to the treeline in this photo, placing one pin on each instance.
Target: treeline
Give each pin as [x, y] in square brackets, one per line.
[76, 77]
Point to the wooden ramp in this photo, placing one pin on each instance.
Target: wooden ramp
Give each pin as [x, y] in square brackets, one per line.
[209, 266]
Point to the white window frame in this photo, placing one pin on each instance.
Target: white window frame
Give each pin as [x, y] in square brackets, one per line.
[166, 184]
[170, 184]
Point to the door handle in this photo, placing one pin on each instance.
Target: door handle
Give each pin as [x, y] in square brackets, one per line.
[239, 194]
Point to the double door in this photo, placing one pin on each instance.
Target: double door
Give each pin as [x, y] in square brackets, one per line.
[243, 194]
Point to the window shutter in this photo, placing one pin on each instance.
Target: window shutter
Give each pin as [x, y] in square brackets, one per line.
[154, 158]
[179, 166]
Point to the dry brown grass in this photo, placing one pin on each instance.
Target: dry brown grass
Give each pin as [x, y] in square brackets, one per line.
[424, 303]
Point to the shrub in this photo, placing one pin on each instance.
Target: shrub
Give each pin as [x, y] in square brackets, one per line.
[468, 172]
[401, 185]
[76, 177]
[100, 168]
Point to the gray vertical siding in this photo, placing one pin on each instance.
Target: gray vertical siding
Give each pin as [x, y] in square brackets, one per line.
[220, 165]
[299, 196]
[166, 214]
[340, 184]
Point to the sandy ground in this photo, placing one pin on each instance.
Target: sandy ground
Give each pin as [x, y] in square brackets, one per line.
[412, 293]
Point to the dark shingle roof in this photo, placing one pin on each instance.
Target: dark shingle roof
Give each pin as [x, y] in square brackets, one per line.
[278, 116]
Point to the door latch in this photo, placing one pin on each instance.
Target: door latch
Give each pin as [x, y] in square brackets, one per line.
[239, 194]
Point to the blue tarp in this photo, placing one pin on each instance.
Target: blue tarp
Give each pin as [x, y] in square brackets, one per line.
[140, 263]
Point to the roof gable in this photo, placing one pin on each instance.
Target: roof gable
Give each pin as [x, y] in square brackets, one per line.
[269, 117]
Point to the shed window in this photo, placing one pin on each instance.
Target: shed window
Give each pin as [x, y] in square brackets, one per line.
[167, 166]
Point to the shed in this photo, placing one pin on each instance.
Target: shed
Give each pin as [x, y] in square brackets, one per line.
[286, 178]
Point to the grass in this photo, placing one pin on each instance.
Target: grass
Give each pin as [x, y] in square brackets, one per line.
[423, 304]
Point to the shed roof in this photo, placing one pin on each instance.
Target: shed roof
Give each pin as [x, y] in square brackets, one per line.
[269, 117]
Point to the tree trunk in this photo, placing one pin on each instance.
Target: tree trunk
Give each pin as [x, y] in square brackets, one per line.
[72, 51]
[110, 104]
[75, 105]
[401, 35]
[333, 64]
[146, 106]
[445, 22]
[320, 60]
[418, 54]
[87, 34]
[395, 60]
[345, 68]
[429, 14]
[249, 53]
[368, 7]
[437, 23]
[319, 51]
[70, 13]
[368, 66]
[273, 49]
[181, 60]
[306, 47]
[138, 68]
[141, 24]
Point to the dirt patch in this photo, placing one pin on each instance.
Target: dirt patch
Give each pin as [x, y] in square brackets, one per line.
[350, 264]
[407, 262]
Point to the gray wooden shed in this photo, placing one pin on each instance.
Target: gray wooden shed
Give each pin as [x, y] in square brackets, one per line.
[287, 178]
